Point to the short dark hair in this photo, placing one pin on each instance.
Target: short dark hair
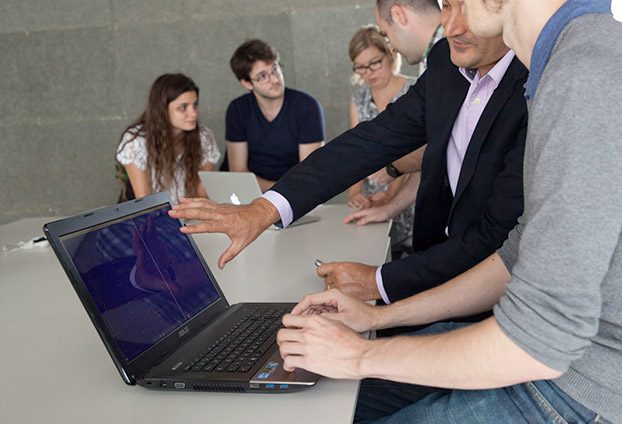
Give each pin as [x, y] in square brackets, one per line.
[420, 6]
[248, 53]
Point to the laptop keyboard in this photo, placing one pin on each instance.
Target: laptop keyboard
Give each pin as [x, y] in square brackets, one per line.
[243, 345]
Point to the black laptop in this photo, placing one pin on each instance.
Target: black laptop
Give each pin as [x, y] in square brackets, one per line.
[158, 309]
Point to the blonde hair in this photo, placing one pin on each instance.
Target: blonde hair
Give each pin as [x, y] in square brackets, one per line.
[369, 36]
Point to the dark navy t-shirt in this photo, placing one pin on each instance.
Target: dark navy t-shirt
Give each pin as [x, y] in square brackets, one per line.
[273, 146]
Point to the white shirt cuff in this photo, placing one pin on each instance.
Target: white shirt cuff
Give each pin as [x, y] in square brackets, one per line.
[282, 206]
[380, 286]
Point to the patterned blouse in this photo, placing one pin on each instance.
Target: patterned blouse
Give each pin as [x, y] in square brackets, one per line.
[401, 232]
[134, 151]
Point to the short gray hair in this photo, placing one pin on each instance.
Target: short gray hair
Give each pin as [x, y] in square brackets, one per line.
[419, 6]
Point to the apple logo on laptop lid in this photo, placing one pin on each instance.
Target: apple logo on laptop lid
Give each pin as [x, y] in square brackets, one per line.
[234, 199]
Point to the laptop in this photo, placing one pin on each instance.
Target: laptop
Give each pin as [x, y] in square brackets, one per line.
[239, 188]
[158, 308]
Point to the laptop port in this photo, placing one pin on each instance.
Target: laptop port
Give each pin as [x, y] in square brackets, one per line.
[180, 385]
[269, 386]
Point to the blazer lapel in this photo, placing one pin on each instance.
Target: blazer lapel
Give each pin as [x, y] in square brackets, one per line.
[448, 102]
[446, 99]
[496, 103]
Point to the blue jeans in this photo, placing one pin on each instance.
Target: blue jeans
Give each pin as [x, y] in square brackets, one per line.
[534, 402]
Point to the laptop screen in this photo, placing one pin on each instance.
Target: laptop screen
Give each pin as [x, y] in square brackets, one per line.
[143, 275]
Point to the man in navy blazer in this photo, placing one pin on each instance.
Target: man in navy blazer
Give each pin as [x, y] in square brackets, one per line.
[463, 213]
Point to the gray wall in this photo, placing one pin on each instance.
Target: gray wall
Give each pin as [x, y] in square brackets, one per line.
[74, 73]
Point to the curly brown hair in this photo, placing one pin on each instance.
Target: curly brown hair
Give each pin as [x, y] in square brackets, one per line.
[154, 125]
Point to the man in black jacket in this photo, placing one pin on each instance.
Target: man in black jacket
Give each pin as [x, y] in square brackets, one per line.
[469, 108]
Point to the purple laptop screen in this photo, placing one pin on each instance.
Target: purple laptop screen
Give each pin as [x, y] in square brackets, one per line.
[143, 275]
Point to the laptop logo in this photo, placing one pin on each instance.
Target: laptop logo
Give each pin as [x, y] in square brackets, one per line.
[184, 331]
[235, 200]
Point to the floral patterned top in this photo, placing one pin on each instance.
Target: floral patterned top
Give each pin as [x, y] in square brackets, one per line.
[401, 233]
[134, 151]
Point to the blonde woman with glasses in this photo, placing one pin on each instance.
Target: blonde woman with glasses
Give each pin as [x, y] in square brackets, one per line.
[376, 67]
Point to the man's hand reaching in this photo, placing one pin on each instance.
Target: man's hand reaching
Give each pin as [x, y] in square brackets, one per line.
[243, 223]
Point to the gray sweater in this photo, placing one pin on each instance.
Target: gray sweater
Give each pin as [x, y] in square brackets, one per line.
[564, 302]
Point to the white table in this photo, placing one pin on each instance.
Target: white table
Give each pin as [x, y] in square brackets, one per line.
[55, 369]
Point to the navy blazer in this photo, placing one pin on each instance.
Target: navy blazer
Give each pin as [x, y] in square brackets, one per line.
[489, 195]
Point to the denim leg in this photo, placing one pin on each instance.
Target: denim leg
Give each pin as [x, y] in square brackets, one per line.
[380, 398]
[534, 402]
[383, 401]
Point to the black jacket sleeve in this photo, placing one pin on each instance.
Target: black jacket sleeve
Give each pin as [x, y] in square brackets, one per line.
[357, 153]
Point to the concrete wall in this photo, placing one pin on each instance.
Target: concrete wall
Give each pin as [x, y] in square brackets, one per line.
[74, 73]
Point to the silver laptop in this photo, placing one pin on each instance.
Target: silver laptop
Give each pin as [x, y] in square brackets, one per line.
[158, 309]
[239, 188]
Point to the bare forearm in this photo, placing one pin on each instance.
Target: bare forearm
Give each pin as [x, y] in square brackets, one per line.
[480, 356]
[140, 181]
[405, 195]
[237, 156]
[474, 291]
[411, 162]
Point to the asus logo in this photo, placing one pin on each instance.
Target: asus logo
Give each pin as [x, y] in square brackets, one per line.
[184, 331]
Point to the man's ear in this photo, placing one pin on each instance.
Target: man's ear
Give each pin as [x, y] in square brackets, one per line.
[247, 84]
[398, 15]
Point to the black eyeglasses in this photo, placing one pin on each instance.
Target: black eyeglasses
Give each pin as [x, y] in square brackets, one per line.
[373, 66]
[266, 77]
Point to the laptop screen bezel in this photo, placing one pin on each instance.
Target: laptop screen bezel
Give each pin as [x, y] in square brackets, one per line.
[138, 367]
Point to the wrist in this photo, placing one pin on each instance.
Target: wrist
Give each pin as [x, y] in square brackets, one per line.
[381, 317]
[366, 364]
[387, 211]
[393, 171]
[266, 210]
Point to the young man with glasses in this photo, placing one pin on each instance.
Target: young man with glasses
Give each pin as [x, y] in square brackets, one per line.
[272, 128]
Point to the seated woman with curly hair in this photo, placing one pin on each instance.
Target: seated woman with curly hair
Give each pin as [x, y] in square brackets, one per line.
[165, 148]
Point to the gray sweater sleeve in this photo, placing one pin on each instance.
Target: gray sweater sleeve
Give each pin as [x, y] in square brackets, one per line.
[562, 248]
[509, 251]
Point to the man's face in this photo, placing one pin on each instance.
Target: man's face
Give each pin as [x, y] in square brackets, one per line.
[467, 50]
[266, 80]
[401, 40]
[484, 16]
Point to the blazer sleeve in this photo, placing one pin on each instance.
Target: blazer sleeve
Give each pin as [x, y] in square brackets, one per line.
[471, 244]
[357, 153]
